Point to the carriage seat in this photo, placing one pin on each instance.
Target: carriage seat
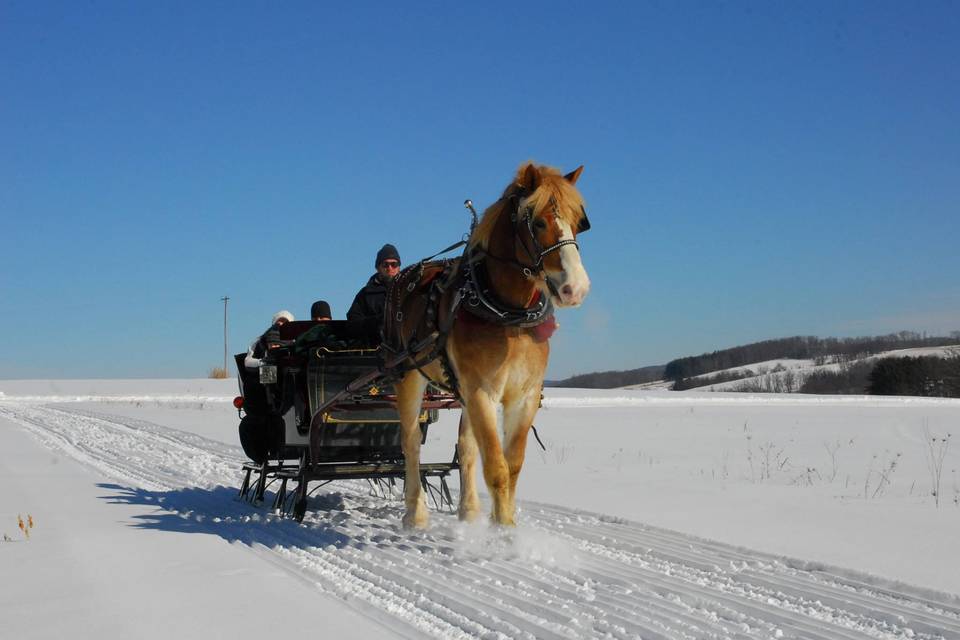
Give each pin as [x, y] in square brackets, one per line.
[295, 329]
[330, 333]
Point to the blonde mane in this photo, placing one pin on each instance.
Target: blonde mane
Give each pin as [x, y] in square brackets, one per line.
[552, 187]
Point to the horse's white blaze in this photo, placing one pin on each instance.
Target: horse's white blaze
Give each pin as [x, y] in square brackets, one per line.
[574, 283]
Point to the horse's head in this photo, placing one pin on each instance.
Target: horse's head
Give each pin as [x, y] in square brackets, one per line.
[549, 214]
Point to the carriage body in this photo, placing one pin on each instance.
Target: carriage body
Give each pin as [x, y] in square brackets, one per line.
[298, 424]
[285, 396]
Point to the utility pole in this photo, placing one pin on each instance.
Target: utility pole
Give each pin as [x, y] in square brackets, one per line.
[225, 299]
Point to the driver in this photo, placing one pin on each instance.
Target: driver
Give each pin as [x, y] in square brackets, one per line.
[366, 312]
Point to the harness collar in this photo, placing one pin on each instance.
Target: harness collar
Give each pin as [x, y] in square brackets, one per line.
[480, 301]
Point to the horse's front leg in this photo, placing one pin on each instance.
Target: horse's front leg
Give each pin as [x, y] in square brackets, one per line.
[467, 454]
[517, 418]
[409, 398]
[482, 414]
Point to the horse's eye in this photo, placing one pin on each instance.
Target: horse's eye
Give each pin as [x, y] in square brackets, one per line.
[539, 224]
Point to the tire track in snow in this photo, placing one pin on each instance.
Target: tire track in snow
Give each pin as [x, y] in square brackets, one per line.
[561, 574]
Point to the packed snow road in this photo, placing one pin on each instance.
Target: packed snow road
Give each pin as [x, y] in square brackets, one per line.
[560, 574]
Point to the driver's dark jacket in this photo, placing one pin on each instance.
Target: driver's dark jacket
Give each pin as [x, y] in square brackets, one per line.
[367, 308]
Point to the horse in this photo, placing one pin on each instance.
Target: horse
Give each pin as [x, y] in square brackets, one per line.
[488, 318]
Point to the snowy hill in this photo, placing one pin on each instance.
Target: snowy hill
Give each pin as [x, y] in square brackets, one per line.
[787, 376]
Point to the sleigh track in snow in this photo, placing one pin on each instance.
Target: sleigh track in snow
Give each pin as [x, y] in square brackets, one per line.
[561, 573]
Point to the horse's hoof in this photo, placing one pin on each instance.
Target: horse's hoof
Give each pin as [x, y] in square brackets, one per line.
[468, 515]
[413, 521]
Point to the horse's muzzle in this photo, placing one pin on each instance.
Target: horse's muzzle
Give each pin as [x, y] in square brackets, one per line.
[568, 292]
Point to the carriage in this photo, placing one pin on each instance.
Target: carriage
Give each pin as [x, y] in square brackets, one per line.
[329, 405]
[319, 409]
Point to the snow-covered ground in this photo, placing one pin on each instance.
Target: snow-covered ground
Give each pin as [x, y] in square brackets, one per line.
[651, 514]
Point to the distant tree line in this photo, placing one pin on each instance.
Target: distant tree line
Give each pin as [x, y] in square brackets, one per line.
[894, 376]
[853, 378]
[785, 382]
[920, 376]
[610, 379]
[800, 348]
[685, 384]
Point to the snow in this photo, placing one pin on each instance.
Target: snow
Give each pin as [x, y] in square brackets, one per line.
[761, 367]
[103, 562]
[762, 516]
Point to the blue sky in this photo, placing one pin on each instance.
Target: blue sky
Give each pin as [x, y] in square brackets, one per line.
[753, 170]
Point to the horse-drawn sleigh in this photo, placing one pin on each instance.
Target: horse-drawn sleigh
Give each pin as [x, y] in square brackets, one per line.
[293, 433]
[470, 332]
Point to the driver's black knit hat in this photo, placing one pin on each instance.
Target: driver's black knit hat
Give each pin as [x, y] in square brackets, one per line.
[386, 252]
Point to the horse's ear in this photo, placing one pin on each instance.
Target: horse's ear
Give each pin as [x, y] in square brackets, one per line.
[528, 177]
[574, 175]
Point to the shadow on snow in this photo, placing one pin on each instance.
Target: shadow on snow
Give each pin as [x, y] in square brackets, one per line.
[333, 518]
[338, 520]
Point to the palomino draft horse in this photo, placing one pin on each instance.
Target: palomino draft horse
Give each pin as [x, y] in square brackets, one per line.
[480, 325]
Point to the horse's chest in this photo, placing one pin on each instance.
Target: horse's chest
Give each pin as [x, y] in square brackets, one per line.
[498, 358]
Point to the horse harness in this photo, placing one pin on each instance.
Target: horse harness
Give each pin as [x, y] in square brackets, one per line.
[415, 321]
[436, 292]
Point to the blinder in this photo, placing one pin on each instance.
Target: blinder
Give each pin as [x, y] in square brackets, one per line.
[584, 222]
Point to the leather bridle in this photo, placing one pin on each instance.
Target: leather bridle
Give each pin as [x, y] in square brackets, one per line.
[522, 219]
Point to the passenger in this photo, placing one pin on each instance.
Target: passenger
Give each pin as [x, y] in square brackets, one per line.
[366, 312]
[258, 348]
[320, 310]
